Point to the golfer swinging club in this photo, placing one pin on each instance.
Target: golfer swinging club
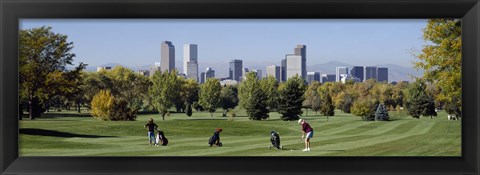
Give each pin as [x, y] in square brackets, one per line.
[306, 129]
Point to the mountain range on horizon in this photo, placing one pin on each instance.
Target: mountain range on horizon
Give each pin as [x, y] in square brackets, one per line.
[395, 72]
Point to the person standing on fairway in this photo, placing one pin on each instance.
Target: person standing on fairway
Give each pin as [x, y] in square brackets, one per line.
[308, 130]
[151, 127]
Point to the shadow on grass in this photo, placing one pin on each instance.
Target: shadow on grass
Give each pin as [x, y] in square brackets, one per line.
[44, 132]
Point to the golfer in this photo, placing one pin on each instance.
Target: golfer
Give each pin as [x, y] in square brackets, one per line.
[308, 130]
[151, 127]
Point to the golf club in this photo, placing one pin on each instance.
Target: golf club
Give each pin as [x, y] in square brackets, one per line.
[296, 144]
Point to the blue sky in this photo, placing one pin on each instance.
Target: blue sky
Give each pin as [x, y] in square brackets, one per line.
[136, 42]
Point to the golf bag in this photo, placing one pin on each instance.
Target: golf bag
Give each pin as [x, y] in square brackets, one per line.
[214, 140]
[275, 139]
[161, 138]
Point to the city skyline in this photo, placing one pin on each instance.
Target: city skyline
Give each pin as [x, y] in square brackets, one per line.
[327, 40]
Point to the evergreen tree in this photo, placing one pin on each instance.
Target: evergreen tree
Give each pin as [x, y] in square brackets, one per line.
[291, 97]
[382, 113]
[418, 102]
[256, 106]
[189, 110]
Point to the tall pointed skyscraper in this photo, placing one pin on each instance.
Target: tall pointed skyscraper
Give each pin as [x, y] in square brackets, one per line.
[167, 60]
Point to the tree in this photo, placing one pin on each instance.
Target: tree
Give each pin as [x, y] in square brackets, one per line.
[43, 57]
[246, 89]
[344, 101]
[327, 107]
[441, 59]
[102, 103]
[269, 86]
[209, 96]
[418, 102]
[291, 98]
[228, 98]
[382, 113]
[189, 110]
[163, 91]
[365, 107]
[256, 106]
[311, 95]
[129, 86]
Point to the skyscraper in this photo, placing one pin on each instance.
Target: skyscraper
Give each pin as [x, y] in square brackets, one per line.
[273, 71]
[294, 65]
[369, 72]
[168, 56]
[283, 70]
[327, 78]
[340, 71]
[313, 76]
[235, 70]
[258, 72]
[357, 71]
[209, 73]
[382, 74]
[190, 61]
[301, 50]
[154, 68]
[202, 77]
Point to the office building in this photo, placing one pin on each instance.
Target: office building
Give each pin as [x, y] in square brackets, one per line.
[228, 82]
[192, 70]
[369, 72]
[327, 78]
[357, 71]
[346, 78]
[235, 69]
[313, 76]
[167, 56]
[202, 77]
[283, 70]
[145, 73]
[209, 73]
[273, 71]
[294, 66]
[100, 68]
[154, 68]
[258, 73]
[382, 74]
[301, 50]
[340, 71]
[190, 61]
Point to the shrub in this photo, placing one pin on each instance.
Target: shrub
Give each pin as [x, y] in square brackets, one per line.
[120, 111]
[231, 114]
[106, 107]
[365, 107]
[102, 102]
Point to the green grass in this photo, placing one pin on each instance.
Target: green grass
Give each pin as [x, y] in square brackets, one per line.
[71, 134]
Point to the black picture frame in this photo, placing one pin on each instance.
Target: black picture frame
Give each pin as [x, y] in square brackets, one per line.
[13, 10]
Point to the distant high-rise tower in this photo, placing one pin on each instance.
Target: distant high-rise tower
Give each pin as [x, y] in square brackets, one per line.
[273, 71]
[235, 70]
[301, 50]
[313, 76]
[209, 73]
[258, 72]
[340, 71]
[369, 72]
[190, 61]
[167, 61]
[382, 74]
[294, 65]
[283, 70]
[357, 71]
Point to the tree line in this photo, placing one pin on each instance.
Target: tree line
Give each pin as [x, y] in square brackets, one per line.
[120, 93]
